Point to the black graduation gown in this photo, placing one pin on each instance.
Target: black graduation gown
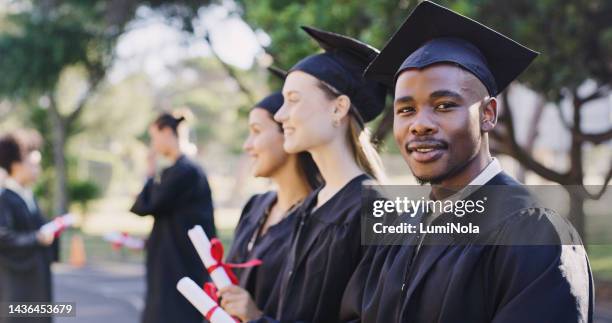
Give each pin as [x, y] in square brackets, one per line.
[325, 251]
[180, 200]
[271, 249]
[479, 282]
[25, 272]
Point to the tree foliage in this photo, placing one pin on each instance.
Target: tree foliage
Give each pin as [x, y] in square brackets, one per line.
[40, 45]
[574, 36]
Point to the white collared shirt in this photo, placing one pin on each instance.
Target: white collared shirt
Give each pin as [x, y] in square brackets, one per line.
[488, 173]
[25, 194]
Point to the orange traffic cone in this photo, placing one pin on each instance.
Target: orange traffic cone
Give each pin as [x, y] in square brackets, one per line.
[77, 251]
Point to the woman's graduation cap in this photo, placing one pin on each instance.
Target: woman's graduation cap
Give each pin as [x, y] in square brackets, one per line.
[342, 66]
[274, 101]
[434, 34]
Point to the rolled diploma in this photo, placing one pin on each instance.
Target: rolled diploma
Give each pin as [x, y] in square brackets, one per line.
[133, 243]
[124, 241]
[202, 245]
[201, 301]
[57, 224]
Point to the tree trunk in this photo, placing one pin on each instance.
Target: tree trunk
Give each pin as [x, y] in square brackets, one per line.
[576, 214]
[576, 172]
[60, 185]
[532, 135]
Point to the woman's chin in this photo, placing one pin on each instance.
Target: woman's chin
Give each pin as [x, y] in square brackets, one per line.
[291, 147]
[260, 171]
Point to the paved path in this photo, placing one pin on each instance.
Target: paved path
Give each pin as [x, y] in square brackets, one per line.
[107, 293]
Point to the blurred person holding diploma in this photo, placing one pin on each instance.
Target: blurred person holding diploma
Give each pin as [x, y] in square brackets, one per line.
[26, 251]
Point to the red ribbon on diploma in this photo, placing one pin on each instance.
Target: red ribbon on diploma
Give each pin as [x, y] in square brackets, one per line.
[62, 226]
[216, 251]
[211, 290]
[119, 243]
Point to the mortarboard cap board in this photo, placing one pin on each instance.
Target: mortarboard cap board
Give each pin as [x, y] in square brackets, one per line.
[278, 72]
[273, 102]
[434, 34]
[342, 66]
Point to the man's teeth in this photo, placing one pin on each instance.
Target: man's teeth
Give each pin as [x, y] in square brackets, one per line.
[424, 150]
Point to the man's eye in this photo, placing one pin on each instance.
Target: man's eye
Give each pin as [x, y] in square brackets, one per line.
[404, 110]
[445, 106]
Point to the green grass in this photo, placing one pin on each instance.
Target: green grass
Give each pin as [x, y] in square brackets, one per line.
[601, 261]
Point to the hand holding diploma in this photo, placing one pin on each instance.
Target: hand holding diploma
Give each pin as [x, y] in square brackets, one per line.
[55, 227]
[238, 302]
[44, 238]
[203, 302]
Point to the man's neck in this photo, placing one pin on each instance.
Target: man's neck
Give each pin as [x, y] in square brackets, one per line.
[173, 155]
[462, 178]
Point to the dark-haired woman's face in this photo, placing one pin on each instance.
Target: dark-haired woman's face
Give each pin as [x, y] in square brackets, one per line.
[264, 144]
[27, 170]
[162, 140]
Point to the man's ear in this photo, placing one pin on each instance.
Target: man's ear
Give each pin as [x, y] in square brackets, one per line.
[489, 114]
[342, 105]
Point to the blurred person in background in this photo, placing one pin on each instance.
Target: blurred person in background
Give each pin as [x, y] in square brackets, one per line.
[26, 252]
[177, 195]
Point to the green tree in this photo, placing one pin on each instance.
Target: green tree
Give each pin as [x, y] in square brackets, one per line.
[41, 43]
[47, 38]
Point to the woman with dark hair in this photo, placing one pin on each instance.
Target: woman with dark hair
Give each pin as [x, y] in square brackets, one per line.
[178, 197]
[25, 250]
[267, 220]
[326, 104]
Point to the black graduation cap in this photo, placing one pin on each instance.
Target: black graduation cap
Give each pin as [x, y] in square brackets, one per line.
[274, 101]
[278, 72]
[342, 66]
[434, 34]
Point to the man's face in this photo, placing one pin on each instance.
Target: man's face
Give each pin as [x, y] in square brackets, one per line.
[162, 140]
[437, 120]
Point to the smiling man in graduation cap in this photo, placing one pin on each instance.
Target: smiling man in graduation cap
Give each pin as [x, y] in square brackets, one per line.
[527, 264]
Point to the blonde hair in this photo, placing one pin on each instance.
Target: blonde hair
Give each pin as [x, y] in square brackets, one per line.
[359, 138]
